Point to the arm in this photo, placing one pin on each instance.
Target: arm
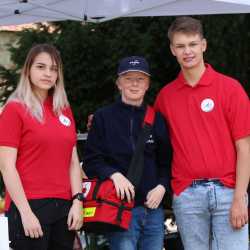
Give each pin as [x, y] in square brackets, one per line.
[74, 218]
[95, 163]
[95, 160]
[163, 163]
[239, 212]
[31, 225]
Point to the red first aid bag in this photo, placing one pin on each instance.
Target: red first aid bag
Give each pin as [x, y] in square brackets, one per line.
[102, 210]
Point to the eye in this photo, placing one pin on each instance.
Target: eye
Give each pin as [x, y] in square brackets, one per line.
[54, 68]
[40, 66]
[140, 79]
[193, 44]
[128, 79]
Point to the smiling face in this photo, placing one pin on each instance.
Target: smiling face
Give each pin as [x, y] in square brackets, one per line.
[188, 49]
[133, 86]
[43, 74]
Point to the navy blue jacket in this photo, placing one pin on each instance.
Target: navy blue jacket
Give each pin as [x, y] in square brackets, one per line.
[111, 143]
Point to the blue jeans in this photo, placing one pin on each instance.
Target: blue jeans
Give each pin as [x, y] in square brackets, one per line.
[146, 231]
[202, 216]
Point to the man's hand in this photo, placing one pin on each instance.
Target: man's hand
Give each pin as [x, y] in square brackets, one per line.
[75, 219]
[239, 212]
[31, 225]
[123, 187]
[154, 197]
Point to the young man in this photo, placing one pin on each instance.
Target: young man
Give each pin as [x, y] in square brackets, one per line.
[208, 116]
[109, 149]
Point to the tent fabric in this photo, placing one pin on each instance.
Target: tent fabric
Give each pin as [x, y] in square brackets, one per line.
[28, 11]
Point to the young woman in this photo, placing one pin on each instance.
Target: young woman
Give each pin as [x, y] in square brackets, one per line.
[110, 147]
[38, 158]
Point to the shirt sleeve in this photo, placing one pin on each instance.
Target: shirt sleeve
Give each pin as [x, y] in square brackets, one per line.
[11, 124]
[163, 152]
[238, 112]
[95, 163]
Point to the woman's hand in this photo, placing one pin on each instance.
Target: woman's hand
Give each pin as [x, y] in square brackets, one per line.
[154, 197]
[75, 219]
[124, 188]
[31, 225]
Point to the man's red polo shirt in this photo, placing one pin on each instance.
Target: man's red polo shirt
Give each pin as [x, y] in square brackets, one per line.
[205, 121]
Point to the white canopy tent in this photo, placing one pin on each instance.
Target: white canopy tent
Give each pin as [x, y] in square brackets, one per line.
[28, 11]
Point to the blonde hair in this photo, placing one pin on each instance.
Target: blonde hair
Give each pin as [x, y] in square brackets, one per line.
[24, 93]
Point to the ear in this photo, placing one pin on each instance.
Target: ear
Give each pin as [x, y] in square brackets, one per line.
[148, 84]
[172, 49]
[117, 82]
[204, 44]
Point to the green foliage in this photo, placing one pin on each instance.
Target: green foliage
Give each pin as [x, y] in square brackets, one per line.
[8, 82]
[228, 45]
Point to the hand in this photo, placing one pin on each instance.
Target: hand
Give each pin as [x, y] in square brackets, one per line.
[123, 186]
[155, 196]
[89, 122]
[75, 219]
[31, 225]
[238, 212]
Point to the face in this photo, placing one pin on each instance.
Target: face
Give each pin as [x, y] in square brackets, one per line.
[133, 86]
[43, 74]
[188, 49]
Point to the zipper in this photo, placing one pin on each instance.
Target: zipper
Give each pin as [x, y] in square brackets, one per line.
[131, 132]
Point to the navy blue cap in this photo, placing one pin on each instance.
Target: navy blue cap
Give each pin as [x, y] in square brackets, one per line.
[133, 63]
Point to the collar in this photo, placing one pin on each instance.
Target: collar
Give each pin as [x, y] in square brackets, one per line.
[129, 106]
[205, 80]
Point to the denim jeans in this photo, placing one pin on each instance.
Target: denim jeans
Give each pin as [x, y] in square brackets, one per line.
[146, 231]
[202, 216]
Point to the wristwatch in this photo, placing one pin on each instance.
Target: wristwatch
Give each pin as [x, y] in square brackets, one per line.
[78, 196]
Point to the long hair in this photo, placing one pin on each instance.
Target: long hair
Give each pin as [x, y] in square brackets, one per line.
[24, 92]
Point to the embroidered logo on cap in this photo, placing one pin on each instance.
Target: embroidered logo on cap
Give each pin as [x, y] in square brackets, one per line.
[134, 62]
[64, 120]
[207, 105]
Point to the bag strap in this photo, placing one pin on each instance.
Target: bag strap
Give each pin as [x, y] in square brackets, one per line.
[136, 166]
[149, 116]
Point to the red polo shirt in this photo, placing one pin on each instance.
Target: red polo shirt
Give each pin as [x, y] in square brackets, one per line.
[205, 121]
[44, 149]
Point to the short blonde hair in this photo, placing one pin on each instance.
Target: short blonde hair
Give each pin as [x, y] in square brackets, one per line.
[24, 93]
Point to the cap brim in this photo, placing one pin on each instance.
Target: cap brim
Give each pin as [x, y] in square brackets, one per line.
[134, 70]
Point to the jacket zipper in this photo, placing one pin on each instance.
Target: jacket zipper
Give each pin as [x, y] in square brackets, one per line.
[131, 134]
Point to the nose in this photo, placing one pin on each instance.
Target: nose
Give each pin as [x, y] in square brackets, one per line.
[134, 81]
[187, 50]
[48, 72]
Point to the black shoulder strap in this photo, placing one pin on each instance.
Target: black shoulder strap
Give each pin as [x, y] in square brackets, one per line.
[136, 166]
